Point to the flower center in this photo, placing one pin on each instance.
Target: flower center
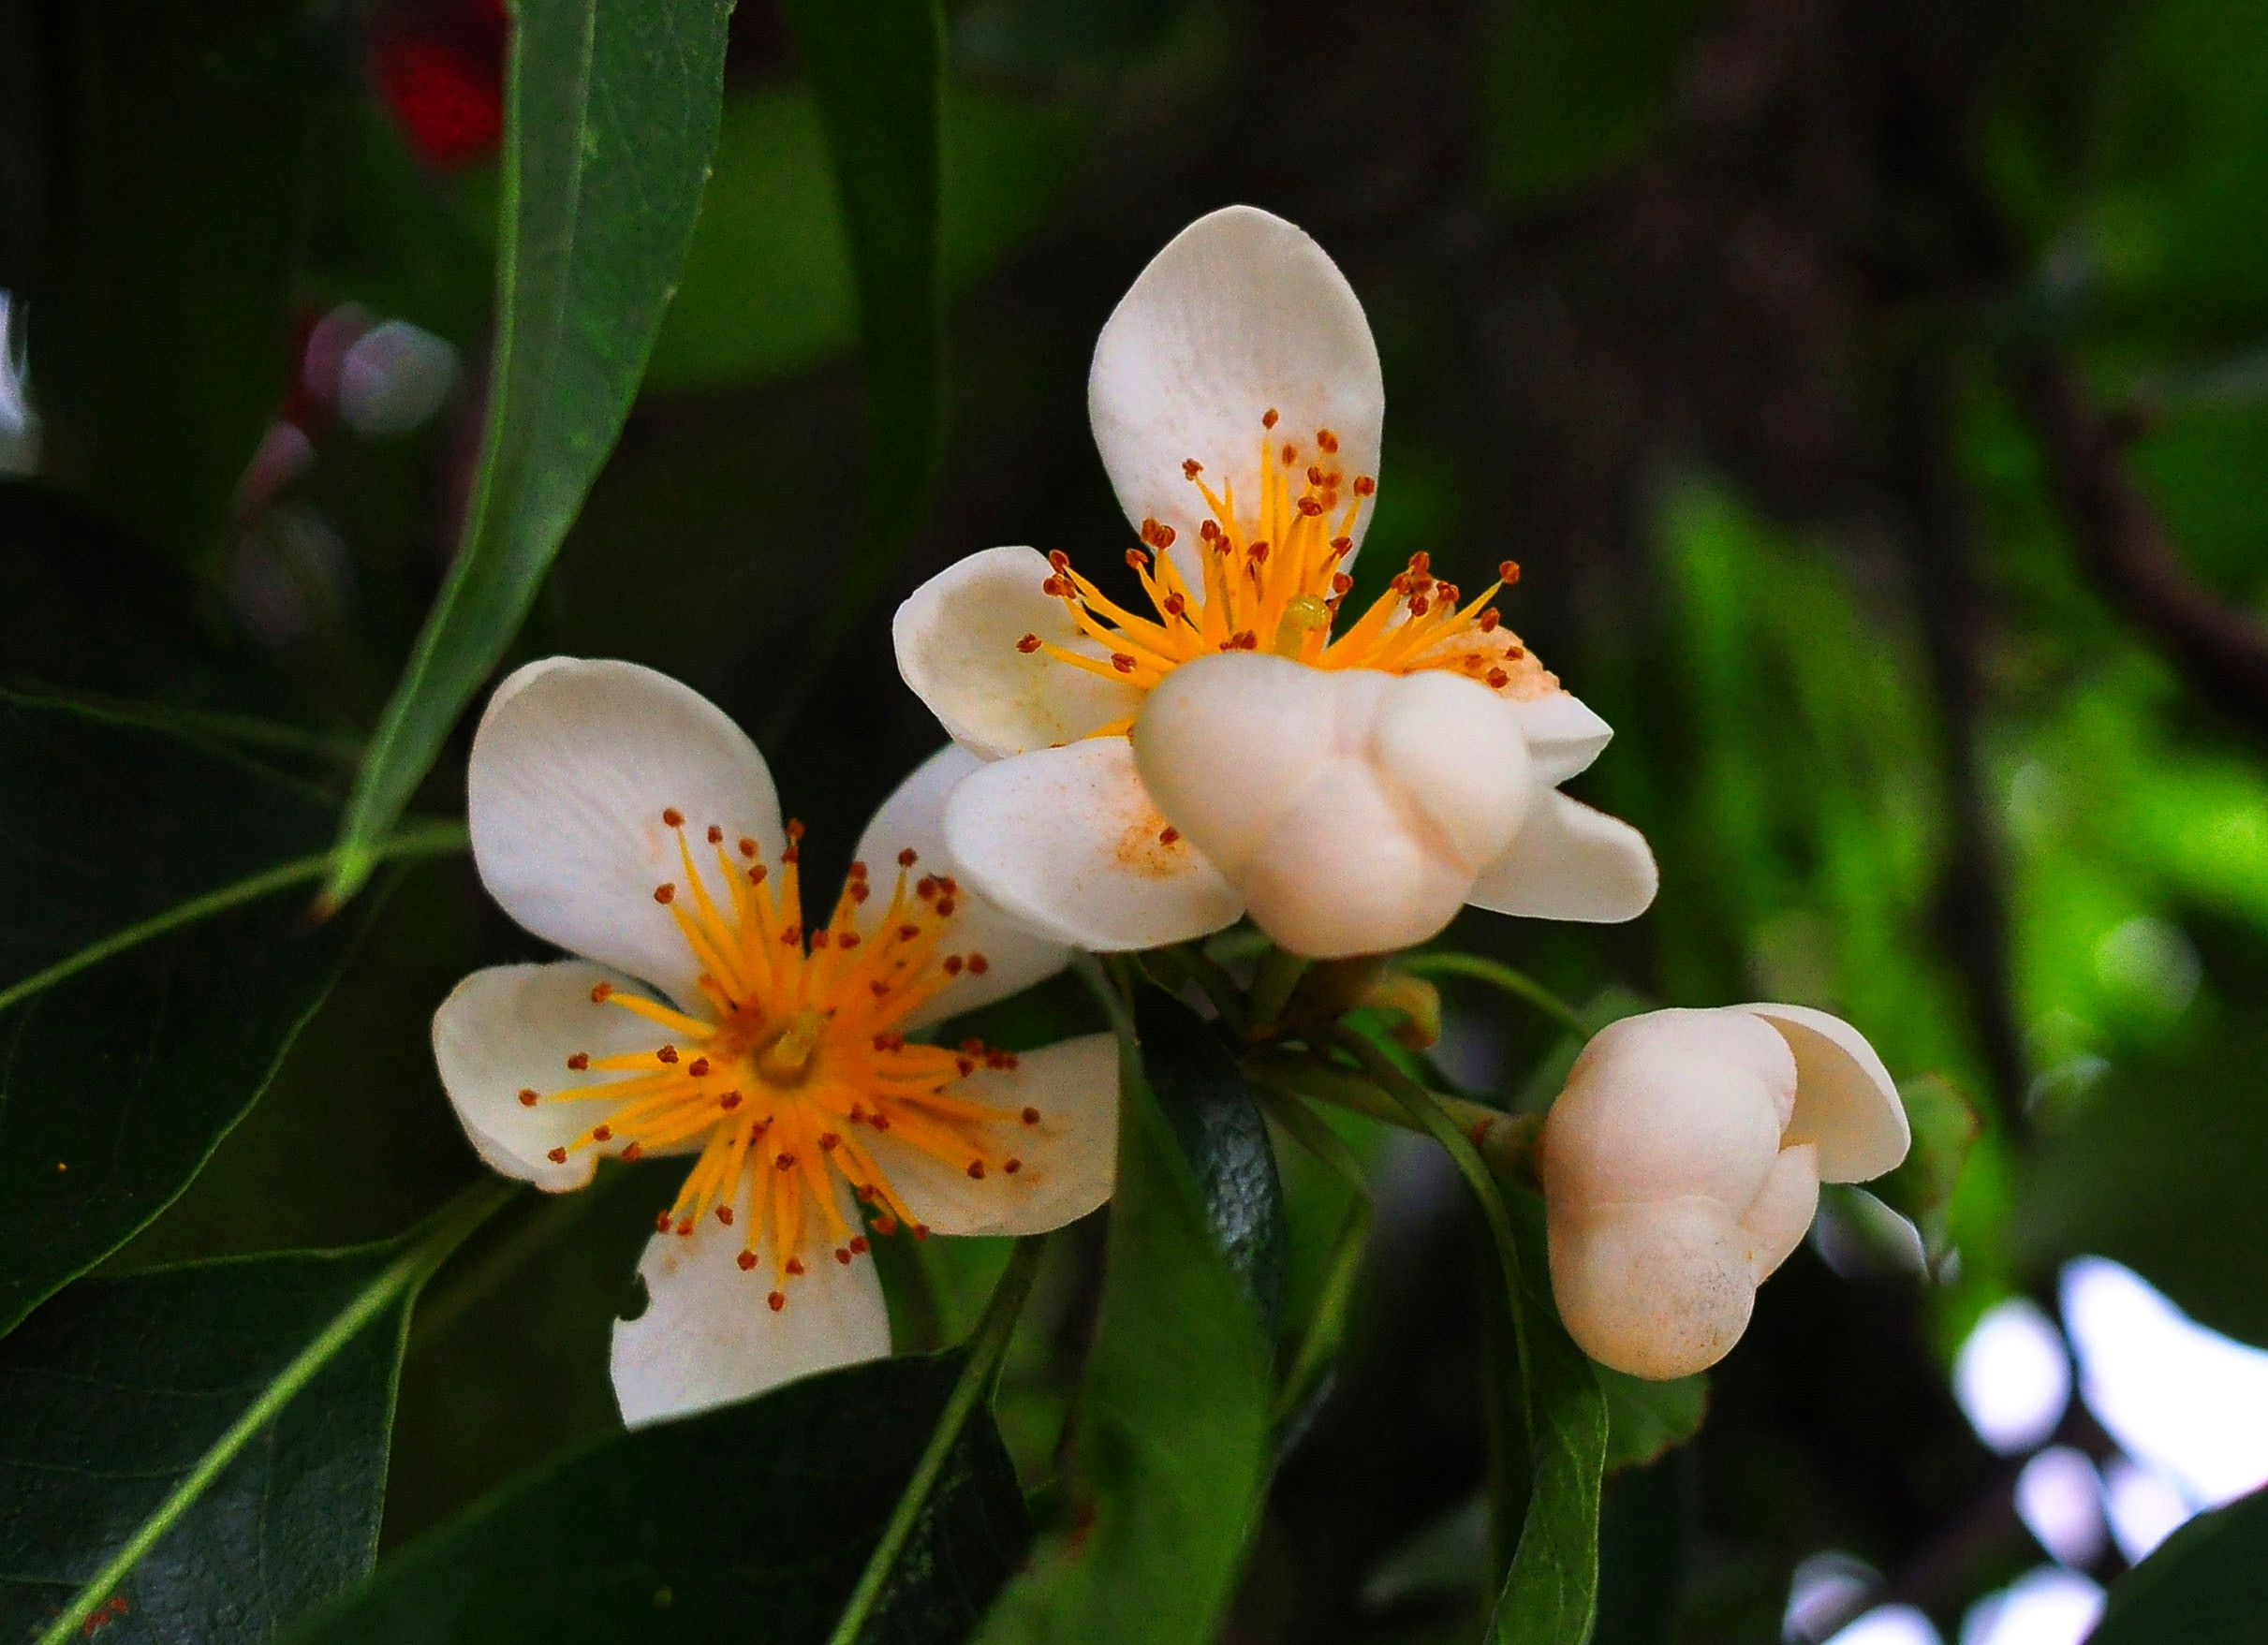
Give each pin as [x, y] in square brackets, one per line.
[792, 1081]
[1278, 584]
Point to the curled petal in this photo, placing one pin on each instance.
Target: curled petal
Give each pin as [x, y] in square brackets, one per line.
[1240, 314]
[572, 769]
[1781, 1213]
[913, 819]
[1845, 1101]
[1571, 863]
[1564, 735]
[1065, 1156]
[509, 1031]
[708, 1335]
[1068, 841]
[957, 639]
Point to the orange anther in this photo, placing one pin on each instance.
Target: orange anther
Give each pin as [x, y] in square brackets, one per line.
[778, 1300]
[667, 1054]
[527, 1098]
[1191, 468]
[1027, 645]
[1364, 485]
[1031, 1116]
[909, 856]
[579, 1061]
[1011, 1165]
[716, 835]
[665, 893]
[599, 991]
[673, 818]
[746, 1259]
[976, 1170]
[1268, 418]
[557, 1157]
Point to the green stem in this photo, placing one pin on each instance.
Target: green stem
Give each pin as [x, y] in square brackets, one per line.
[1277, 973]
[1184, 965]
[987, 1346]
[400, 1280]
[1327, 1326]
[1507, 1141]
[1502, 977]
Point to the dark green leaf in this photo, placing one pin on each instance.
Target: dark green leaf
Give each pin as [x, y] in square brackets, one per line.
[1173, 1433]
[753, 1521]
[2207, 1584]
[1225, 1142]
[610, 125]
[154, 962]
[1645, 1419]
[200, 1452]
[879, 72]
[1551, 1592]
[2161, 1170]
[178, 180]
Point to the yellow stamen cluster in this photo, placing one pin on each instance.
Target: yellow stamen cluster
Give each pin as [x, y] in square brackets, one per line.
[797, 1065]
[1281, 586]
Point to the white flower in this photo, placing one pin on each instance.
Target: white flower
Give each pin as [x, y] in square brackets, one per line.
[622, 816]
[1683, 1163]
[1156, 776]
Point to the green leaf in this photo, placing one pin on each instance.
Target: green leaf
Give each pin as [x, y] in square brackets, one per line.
[1173, 1436]
[1945, 1128]
[200, 1452]
[878, 71]
[1223, 1139]
[753, 1521]
[179, 177]
[1551, 1594]
[2207, 1584]
[610, 125]
[2161, 1170]
[1645, 1421]
[155, 962]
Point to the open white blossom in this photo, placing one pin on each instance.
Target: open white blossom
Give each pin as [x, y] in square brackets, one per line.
[622, 816]
[1683, 1162]
[1154, 776]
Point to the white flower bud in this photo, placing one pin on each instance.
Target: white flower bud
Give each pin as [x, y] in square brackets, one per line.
[1683, 1162]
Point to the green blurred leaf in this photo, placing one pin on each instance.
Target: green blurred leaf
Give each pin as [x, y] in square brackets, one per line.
[155, 963]
[1945, 1128]
[200, 1452]
[878, 70]
[750, 1521]
[2160, 1169]
[1174, 1433]
[2207, 1584]
[1647, 1419]
[1573, 88]
[1551, 1595]
[179, 178]
[610, 125]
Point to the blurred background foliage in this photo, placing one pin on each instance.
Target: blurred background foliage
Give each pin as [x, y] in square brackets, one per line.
[1876, 396]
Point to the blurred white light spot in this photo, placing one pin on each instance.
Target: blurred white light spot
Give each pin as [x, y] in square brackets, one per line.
[2175, 1395]
[393, 377]
[18, 423]
[2047, 1606]
[2151, 965]
[324, 359]
[2145, 1508]
[1893, 1624]
[1824, 1586]
[2013, 1377]
[2060, 1498]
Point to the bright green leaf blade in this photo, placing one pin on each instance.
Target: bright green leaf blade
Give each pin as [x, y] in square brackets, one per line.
[749, 1522]
[2207, 1584]
[155, 962]
[1174, 1437]
[180, 172]
[200, 1452]
[611, 127]
[878, 73]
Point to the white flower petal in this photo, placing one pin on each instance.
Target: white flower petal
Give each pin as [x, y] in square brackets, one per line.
[1571, 863]
[1240, 314]
[1066, 841]
[1781, 1213]
[572, 767]
[1564, 735]
[1845, 1099]
[1658, 1290]
[511, 1028]
[1066, 1162]
[913, 819]
[956, 642]
[1667, 1104]
[1351, 807]
[708, 1335]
